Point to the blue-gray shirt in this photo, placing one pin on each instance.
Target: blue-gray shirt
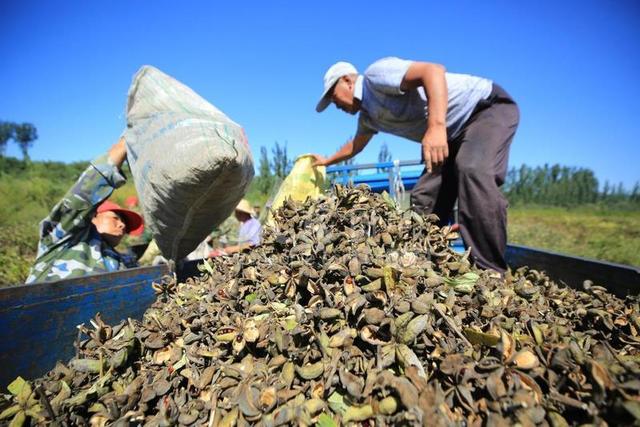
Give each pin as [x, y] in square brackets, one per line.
[387, 108]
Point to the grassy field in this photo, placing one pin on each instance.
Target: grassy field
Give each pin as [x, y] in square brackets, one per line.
[23, 204]
[587, 231]
[590, 232]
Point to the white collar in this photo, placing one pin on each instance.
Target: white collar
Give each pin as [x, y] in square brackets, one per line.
[357, 87]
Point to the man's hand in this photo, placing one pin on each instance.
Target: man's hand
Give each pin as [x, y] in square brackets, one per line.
[118, 152]
[319, 160]
[435, 149]
[347, 151]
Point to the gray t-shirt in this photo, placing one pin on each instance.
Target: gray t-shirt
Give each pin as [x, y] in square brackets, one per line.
[387, 108]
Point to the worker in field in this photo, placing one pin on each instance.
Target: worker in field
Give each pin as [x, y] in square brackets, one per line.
[465, 125]
[80, 234]
[249, 233]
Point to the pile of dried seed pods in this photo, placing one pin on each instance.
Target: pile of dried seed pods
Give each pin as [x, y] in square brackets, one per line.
[352, 312]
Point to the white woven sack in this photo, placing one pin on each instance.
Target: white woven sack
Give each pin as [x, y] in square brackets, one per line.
[191, 164]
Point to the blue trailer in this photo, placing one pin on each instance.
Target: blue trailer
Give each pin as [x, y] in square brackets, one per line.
[38, 322]
[385, 178]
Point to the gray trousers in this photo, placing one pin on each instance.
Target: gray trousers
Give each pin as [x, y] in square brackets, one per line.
[472, 174]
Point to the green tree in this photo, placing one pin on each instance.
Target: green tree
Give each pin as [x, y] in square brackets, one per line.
[25, 134]
[635, 193]
[280, 163]
[555, 186]
[7, 131]
[606, 190]
[265, 180]
[620, 192]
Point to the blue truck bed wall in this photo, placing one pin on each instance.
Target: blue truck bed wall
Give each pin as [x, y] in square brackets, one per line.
[620, 280]
[38, 322]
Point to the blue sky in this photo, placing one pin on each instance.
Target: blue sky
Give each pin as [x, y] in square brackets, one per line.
[572, 66]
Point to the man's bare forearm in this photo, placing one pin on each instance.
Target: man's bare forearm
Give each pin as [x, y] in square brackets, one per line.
[432, 78]
[345, 152]
[435, 85]
[350, 149]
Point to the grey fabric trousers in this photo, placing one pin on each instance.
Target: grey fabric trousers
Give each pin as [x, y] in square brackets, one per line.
[472, 174]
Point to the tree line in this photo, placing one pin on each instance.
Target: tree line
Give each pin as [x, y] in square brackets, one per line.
[271, 171]
[557, 185]
[549, 185]
[553, 185]
[23, 134]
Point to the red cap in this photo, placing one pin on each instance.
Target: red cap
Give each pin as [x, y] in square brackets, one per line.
[133, 221]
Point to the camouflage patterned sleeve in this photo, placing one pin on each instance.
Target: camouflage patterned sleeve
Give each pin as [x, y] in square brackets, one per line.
[73, 214]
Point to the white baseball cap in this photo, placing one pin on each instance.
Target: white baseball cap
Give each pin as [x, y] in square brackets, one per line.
[332, 75]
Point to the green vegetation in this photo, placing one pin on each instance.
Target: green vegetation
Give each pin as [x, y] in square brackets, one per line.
[591, 231]
[553, 207]
[28, 191]
[24, 134]
[271, 172]
[562, 209]
[565, 186]
[17, 253]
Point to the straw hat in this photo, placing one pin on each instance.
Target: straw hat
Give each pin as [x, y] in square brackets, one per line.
[245, 206]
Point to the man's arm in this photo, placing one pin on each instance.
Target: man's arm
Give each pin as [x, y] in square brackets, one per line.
[118, 153]
[73, 213]
[228, 250]
[432, 77]
[347, 151]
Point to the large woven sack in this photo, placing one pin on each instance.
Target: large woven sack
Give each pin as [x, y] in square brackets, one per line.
[191, 164]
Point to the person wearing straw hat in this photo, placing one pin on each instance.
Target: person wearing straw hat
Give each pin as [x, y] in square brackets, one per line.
[248, 234]
[465, 125]
[81, 232]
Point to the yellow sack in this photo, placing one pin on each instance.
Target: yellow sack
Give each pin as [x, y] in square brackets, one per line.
[303, 181]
